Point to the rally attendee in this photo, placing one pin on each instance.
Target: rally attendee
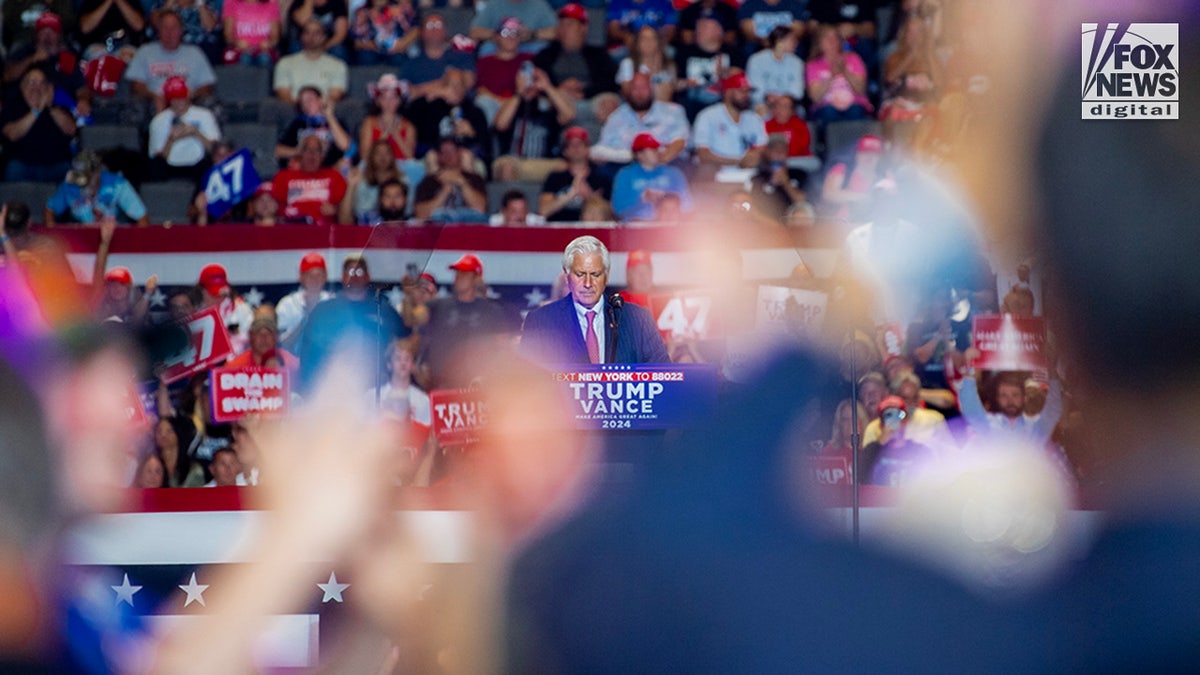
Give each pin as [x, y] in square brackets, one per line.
[264, 350]
[386, 122]
[497, 71]
[224, 468]
[21, 21]
[459, 322]
[639, 277]
[894, 455]
[626, 18]
[314, 117]
[38, 132]
[182, 136]
[354, 314]
[729, 133]
[638, 115]
[293, 309]
[703, 64]
[1008, 408]
[382, 31]
[309, 193]
[155, 62]
[236, 313]
[913, 76]
[173, 441]
[846, 191]
[565, 191]
[782, 120]
[364, 186]
[201, 22]
[775, 187]
[332, 15]
[840, 438]
[836, 79]
[923, 424]
[312, 66]
[579, 327]
[101, 20]
[400, 396]
[150, 472]
[648, 54]
[253, 29]
[759, 17]
[639, 187]
[435, 56]
[776, 70]
[579, 69]
[117, 297]
[514, 211]
[51, 51]
[454, 193]
[535, 16]
[528, 124]
[445, 109]
[90, 194]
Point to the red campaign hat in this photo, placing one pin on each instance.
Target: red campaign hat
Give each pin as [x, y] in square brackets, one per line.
[573, 10]
[736, 81]
[637, 257]
[121, 275]
[214, 279]
[175, 87]
[468, 263]
[870, 143]
[48, 20]
[426, 276]
[312, 261]
[892, 401]
[645, 141]
[579, 133]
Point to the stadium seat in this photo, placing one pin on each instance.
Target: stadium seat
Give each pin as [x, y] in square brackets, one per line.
[840, 137]
[35, 195]
[260, 140]
[168, 202]
[108, 136]
[239, 91]
[351, 111]
[597, 28]
[458, 19]
[117, 109]
[496, 190]
[361, 76]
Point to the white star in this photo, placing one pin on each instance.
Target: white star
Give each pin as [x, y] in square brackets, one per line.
[194, 591]
[157, 298]
[535, 297]
[332, 589]
[395, 296]
[253, 297]
[125, 591]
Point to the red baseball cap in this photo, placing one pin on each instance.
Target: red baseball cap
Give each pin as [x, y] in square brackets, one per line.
[892, 401]
[736, 81]
[426, 276]
[577, 133]
[312, 261]
[637, 257]
[870, 143]
[468, 263]
[214, 279]
[48, 20]
[175, 87]
[121, 275]
[573, 10]
[645, 141]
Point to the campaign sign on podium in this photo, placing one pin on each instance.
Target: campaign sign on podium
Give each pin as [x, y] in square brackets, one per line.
[642, 396]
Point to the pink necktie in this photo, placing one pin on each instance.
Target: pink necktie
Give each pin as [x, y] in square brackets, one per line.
[593, 343]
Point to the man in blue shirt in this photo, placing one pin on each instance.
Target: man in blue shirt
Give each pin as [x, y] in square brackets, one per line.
[639, 187]
[90, 194]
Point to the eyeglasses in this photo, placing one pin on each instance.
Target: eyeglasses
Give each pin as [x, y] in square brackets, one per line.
[356, 272]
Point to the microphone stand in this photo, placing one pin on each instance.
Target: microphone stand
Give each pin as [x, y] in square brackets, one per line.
[378, 345]
[855, 439]
[615, 304]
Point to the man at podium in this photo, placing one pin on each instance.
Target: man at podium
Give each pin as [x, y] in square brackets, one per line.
[588, 326]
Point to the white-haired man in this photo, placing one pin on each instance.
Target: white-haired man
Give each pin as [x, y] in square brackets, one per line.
[586, 326]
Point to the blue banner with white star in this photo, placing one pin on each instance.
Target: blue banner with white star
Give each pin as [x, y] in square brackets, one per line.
[620, 396]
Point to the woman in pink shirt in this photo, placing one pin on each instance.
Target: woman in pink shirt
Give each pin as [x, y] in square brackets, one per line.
[836, 80]
[252, 30]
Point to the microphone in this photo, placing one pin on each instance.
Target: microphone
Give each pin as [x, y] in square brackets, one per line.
[615, 304]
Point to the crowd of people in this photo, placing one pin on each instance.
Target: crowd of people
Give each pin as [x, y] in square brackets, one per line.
[734, 97]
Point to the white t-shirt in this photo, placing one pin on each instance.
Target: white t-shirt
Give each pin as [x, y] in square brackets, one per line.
[187, 151]
[771, 76]
[715, 129]
[394, 400]
[325, 72]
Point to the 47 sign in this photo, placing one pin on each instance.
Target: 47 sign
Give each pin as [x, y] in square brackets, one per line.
[209, 345]
[230, 182]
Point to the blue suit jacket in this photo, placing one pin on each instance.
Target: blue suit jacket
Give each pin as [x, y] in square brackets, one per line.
[552, 335]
